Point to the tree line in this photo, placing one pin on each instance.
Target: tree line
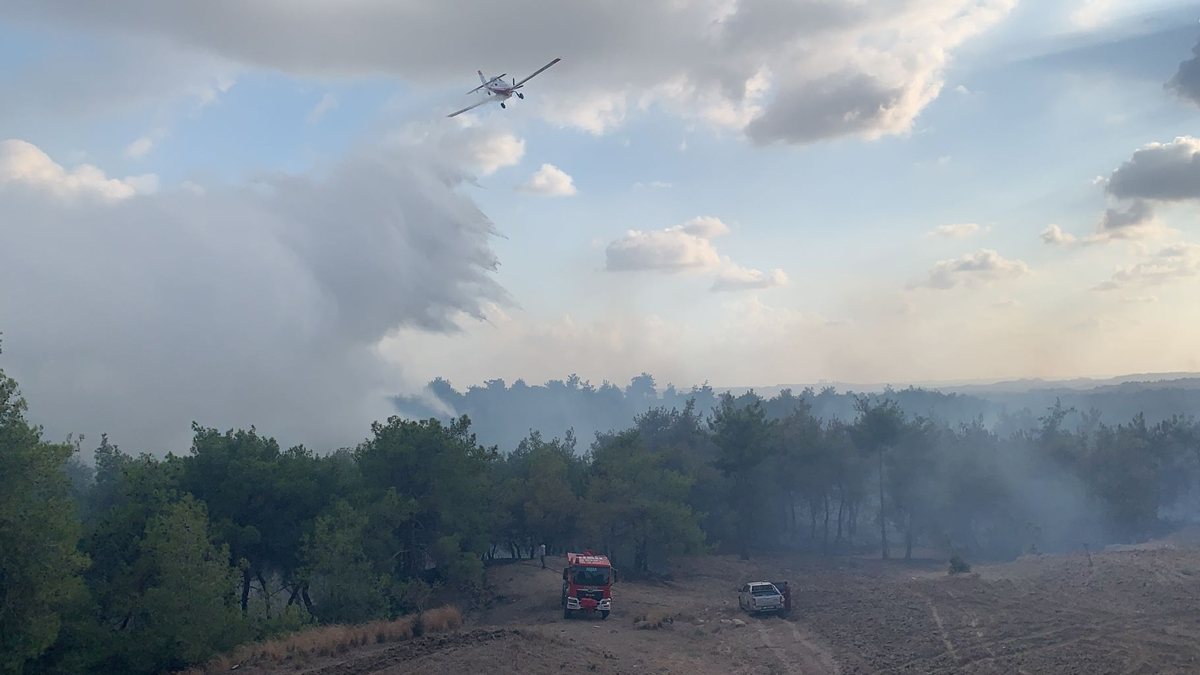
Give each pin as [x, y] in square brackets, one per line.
[502, 413]
[142, 564]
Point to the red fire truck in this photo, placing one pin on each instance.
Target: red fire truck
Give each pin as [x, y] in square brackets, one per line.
[587, 584]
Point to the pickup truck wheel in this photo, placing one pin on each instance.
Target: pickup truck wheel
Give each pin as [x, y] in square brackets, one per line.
[603, 615]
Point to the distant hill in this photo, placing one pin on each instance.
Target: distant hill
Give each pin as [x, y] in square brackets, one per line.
[1181, 380]
[503, 414]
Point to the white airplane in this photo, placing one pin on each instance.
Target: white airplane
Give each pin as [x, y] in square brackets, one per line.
[498, 87]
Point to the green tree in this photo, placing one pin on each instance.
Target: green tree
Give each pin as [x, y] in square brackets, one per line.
[136, 492]
[876, 431]
[636, 505]
[550, 505]
[680, 441]
[439, 478]
[744, 438]
[39, 532]
[804, 467]
[911, 469]
[234, 474]
[343, 584]
[189, 611]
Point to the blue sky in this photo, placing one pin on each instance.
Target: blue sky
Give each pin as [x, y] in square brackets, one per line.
[827, 141]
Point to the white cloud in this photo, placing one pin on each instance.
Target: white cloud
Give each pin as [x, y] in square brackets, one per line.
[596, 112]
[550, 181]
[139, 148]
[466, 142]
[705, 226]
[1054, 235]
[695, 98]
[687, 247]
[737, 278]
[982, 267]
[670, 250]
[494, 151]
[958, 230]
[654, 184]
[832, 69]
[226, 307]
[327, 104]
[24, 164]
[193, 187]
[682, 247]
[143, 145]
[1175, 262]
[960, 89]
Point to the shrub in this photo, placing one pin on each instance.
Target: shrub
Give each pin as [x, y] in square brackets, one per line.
[958, 565]
[652, 621]
[441, 619]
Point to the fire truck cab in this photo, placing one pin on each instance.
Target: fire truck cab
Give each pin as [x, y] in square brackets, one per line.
[587, 584]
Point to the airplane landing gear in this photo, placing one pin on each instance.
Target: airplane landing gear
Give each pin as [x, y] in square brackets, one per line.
[502, 105]
[520, 96]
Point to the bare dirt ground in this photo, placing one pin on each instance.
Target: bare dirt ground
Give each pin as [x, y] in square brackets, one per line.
[1128, 612]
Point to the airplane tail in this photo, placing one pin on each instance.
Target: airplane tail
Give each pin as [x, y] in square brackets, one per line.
[481, 77]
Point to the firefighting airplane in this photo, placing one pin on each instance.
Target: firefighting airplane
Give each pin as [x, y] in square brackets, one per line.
[498, 87]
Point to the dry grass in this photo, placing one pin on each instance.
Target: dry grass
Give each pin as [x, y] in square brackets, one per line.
[333, 640]
[652, 621]
[441, 619]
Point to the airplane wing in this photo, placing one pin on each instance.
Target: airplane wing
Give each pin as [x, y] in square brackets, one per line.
[535, 73]
[470, 107]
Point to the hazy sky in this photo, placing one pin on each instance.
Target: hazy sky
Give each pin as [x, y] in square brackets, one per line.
[256, 212]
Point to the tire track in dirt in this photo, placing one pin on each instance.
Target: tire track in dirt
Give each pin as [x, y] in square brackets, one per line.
[765, 634]
[405, 653]
[818, 659]
[937, 618]
[1127, 632]
[804, 657]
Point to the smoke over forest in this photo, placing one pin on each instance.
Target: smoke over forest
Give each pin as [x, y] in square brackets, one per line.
[998, 472]
[275, 538]
[502, 414]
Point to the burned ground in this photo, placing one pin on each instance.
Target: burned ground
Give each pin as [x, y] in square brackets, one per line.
[1121, 612]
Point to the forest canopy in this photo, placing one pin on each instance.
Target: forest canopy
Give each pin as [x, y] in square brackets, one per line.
[147, 563]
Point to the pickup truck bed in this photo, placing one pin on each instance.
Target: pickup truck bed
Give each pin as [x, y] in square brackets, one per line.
[760, 597]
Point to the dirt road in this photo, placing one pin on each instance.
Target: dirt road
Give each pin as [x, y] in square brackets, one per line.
[1133, 612]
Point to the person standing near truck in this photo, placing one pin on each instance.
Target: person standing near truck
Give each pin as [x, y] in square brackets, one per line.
[787, 596]
[542, 553]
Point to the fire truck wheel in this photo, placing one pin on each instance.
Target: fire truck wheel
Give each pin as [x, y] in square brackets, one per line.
[603, 615]
[566, 613]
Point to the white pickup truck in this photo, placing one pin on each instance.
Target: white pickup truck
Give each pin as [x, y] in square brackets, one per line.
[760, 596]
